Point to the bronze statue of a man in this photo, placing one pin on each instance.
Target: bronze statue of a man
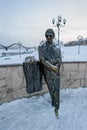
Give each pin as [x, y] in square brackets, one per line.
[50, 58]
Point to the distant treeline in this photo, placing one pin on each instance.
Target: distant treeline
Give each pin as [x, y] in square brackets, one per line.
[74, 43]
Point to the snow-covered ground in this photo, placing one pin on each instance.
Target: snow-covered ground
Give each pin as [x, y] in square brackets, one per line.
[68, 54]
[17, 59]
[36, 113]
[74, 53]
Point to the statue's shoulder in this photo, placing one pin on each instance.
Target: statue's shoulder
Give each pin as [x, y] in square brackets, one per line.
[42, 44]
[55, 45]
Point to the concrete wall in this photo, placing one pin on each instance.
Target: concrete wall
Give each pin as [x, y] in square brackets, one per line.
[13, 85]
[74, 74]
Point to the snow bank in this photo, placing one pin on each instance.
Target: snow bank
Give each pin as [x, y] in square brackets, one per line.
[36, 113]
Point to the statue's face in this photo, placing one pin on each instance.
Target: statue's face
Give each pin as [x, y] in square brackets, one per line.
[49, 38]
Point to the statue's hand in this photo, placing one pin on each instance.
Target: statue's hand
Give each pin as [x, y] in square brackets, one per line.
[55, 69]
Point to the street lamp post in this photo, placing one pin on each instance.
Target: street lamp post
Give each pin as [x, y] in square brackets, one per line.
[60, 23]
[79, 38]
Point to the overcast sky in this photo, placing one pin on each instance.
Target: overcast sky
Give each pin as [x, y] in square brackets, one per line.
[27, 20]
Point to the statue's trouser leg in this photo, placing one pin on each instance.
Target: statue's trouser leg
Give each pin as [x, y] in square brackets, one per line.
[56, 92]
[54, 89]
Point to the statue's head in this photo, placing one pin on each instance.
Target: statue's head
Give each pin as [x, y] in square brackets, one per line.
[50, 32]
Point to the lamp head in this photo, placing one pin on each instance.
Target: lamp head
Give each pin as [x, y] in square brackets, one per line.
[53, 21]
[59, 18]
[64, 21]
